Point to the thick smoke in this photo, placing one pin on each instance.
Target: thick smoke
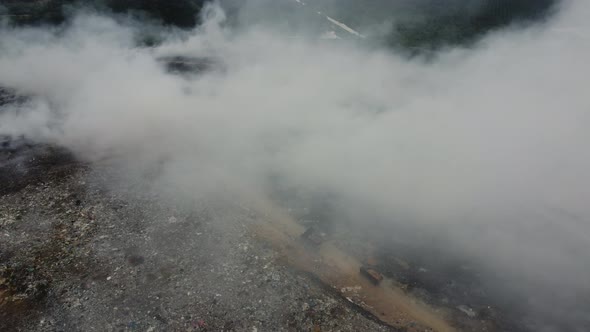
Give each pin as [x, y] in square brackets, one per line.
[484, 147]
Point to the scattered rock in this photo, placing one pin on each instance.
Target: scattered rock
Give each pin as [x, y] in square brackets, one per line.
[466, 310]
[371, 274]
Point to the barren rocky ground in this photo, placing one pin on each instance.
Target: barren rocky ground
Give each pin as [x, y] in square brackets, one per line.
[94, 246]
[78, 255]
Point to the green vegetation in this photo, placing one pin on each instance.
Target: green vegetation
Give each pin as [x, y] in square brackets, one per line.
[413, 24]
[181, 13]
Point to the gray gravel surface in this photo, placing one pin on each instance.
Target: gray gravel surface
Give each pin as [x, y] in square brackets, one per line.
[77, 254]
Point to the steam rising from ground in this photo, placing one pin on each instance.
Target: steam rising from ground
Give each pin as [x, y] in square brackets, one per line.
[484, 147]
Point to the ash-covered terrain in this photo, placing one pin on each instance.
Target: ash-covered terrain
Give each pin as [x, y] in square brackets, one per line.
[77, 256]
[292, 165]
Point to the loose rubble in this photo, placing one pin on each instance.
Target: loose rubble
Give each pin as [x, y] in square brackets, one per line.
[79, 255]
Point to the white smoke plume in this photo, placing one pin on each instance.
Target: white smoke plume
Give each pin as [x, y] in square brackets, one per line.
[485, 146]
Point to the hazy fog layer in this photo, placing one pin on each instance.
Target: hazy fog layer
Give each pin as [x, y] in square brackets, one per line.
[488, 143]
